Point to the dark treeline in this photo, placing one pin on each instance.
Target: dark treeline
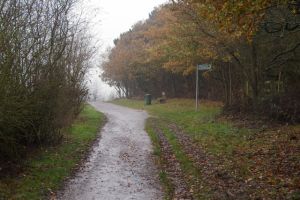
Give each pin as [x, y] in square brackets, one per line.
[253, 47]
[44, 54]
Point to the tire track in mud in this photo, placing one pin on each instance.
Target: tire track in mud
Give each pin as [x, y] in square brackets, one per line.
[171, 166]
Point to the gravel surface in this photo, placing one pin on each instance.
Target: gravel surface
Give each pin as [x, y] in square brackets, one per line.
[121, 164]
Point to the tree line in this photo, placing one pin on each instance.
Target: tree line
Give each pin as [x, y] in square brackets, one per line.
[44, 56]
[253, 47]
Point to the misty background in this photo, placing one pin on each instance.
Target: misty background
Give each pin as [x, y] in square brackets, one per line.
[107, 20]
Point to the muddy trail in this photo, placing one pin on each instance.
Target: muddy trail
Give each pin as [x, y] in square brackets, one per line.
[121, 164]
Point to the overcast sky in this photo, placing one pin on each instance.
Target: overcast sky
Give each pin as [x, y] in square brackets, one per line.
[110, 18]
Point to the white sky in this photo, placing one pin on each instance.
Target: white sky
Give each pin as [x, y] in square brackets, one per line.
[110, 18]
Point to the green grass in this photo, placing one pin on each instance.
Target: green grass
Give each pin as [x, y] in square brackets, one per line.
[136, 104]
[202, 126]
[242, 152]
[45, 172]
[192, 174]
[168, 188]
[215, 136]
[218, 137]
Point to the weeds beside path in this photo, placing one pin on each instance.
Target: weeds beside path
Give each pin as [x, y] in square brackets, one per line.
[45, 172]
[214, 158]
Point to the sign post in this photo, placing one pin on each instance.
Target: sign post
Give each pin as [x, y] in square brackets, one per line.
[202, 68]
[197, 87]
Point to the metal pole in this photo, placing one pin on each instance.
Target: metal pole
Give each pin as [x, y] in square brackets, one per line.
[197, 79]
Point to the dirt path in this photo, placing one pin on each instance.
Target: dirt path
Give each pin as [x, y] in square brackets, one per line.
[120, 166]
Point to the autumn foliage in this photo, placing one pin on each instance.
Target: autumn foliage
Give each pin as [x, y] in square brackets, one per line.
[253, 47]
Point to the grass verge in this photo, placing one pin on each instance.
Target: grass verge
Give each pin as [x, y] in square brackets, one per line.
[265, 156]
[218, 137]
[45, 172]
[168, 188]
[192, 174]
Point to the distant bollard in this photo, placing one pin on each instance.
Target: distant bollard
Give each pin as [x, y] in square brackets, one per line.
[147, 99]
[163, 98]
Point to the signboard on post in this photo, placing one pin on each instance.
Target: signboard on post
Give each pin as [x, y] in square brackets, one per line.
[201, 67]
[204, 67]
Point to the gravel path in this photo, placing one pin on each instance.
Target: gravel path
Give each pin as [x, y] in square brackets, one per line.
[120, 165]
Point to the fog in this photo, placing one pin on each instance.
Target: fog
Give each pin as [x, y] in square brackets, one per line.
[108, 19]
